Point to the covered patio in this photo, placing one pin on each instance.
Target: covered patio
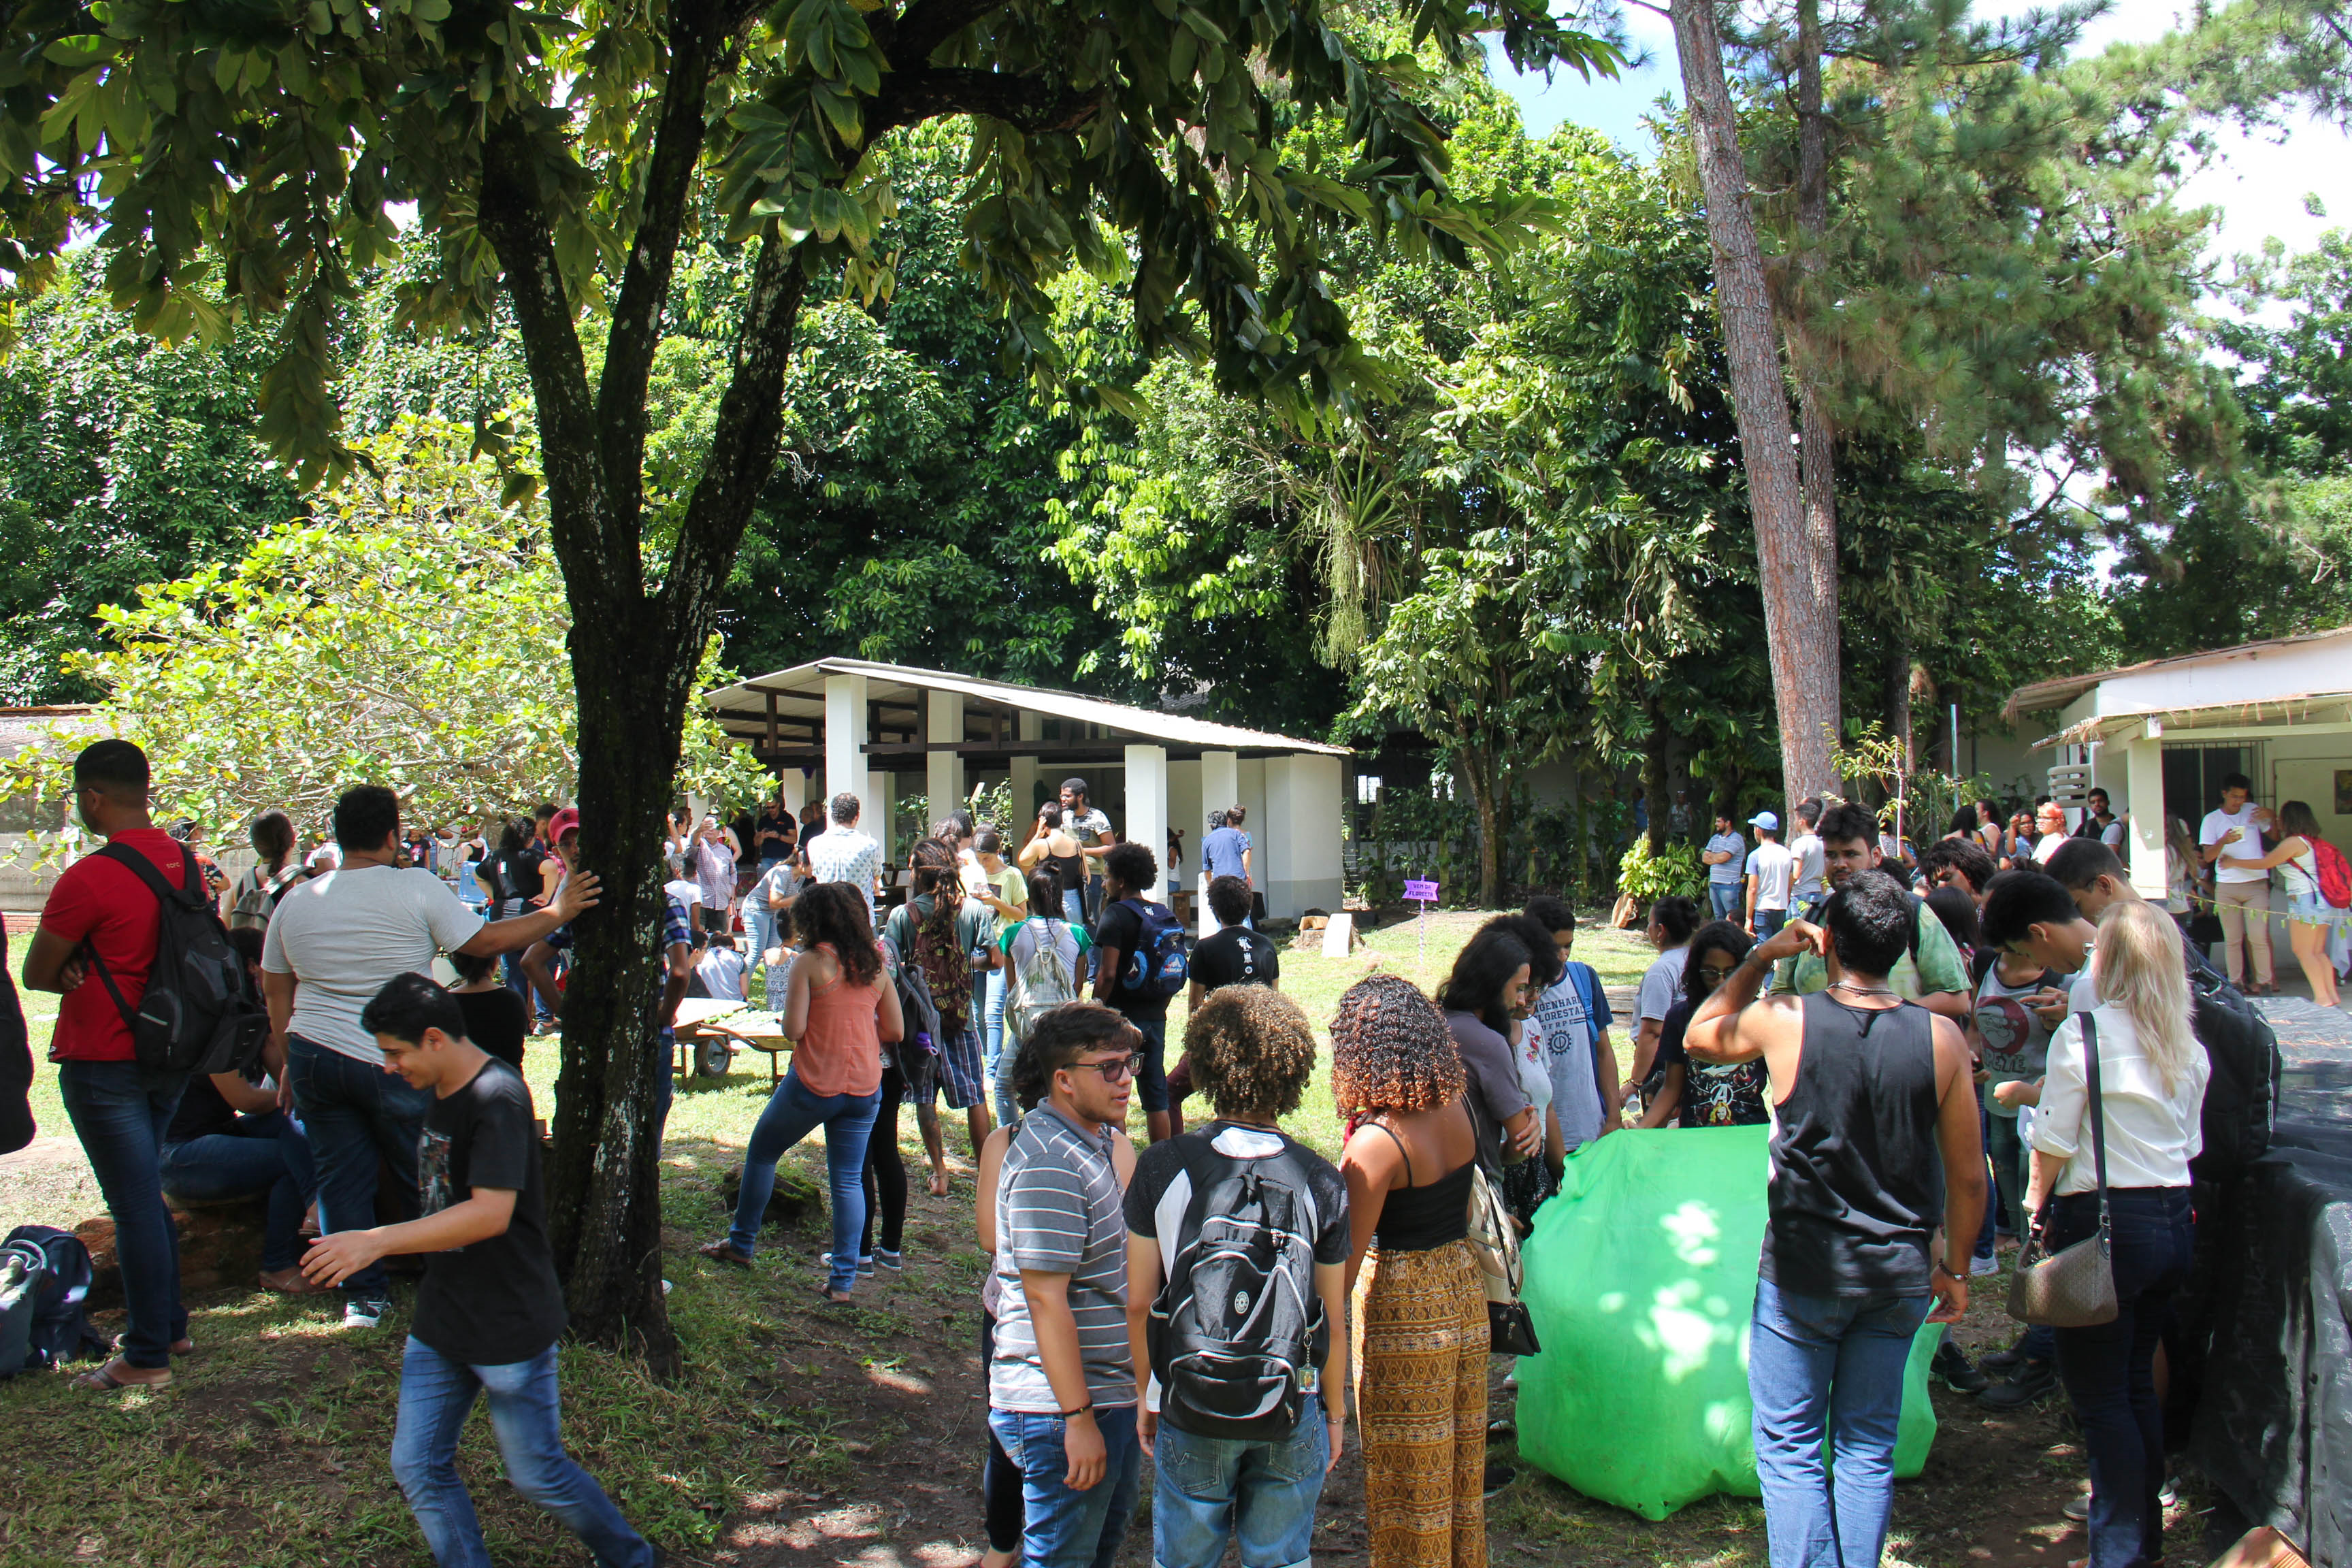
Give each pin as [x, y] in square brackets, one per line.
[882, 730]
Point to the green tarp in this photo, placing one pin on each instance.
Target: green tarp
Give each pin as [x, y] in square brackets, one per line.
[1641, 1275]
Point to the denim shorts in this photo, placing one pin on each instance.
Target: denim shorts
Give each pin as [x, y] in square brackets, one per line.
[2311, 910]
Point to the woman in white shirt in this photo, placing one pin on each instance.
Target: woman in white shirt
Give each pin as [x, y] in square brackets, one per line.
[2152, 1088]
[2308, 916]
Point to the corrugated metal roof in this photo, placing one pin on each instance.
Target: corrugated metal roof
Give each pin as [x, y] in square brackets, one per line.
[803, 686]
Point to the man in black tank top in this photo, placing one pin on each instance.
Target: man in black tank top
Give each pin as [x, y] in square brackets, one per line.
[1877, 1160]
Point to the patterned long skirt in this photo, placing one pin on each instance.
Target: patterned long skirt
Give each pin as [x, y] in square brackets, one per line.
[1421, 1406]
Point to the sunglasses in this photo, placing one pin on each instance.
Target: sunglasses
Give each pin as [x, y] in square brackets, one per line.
[1116, 1068]
[1716, 974]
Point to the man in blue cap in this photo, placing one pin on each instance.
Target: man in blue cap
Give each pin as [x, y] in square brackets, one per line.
[1772, 871]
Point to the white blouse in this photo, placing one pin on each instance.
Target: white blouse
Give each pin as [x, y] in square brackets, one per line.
[2152, 1131]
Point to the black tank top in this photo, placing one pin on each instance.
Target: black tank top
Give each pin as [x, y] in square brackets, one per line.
[1857, 1181]
[1421, 1219]
[1070, 870]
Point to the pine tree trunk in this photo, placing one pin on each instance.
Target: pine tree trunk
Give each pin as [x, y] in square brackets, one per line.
[1817, 453]
[1800, 608]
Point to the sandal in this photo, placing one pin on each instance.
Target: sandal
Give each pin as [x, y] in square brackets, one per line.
[103, 1380]
[178, 1347]
[838, 1298]
[289, 1283]
[723, 1251]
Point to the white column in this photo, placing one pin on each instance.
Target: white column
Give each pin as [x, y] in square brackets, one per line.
[1147, 810]
[2144, 781]
[794, 785]
[943, 770]
[845, 740]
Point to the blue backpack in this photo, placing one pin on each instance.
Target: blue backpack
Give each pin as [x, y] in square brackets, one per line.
[1159, 966]
[44, 1281]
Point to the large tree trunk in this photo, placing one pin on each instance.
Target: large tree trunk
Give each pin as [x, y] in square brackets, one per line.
[1654, 776]
[1477, 766]
[1799, 605]
[1817, 453]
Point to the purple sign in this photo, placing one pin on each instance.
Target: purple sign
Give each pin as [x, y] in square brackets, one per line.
[1422, 892]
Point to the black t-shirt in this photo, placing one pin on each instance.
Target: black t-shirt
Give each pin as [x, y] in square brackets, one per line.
[522, 873]
[203, 1111]
[1122, 928]
[1235, 955]
[780, 823]
[497, 1020]
[496, 1302]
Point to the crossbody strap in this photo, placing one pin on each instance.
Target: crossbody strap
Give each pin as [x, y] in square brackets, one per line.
[2098, 1111]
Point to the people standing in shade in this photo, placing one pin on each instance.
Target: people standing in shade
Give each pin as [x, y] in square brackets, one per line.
[715, 854]
[2151, 1084]
[2241, 893]
[1875, 1147]
[1704, 1094]
[1004, 892]
[775, 833]
[839, 1010]
[1929, 971]
[2309, 917]
[1044, 957]
[335, 941]
[1724, 857]
[1673, 919]
[1960, 863]
[258, 888]
[946, 936]
[1226, 851]
[842, 854]
[1419, 1318]
[1061, 1385]
[1234, 954]
[1488, 983]
[1254, 1053]
[1128, 939]
[2184, 871]
[1579, 1063]
[1053, 848]
[1770, 877]
[1084, 822]
[1807, 890]
[491, 1310]
[2049, 830]
[767, 914]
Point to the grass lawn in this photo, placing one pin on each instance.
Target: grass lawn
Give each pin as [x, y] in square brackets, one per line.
[802, 1432]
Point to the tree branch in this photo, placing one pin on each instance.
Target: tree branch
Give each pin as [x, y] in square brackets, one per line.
[514, 219]
[635, 332]
[1026, 103]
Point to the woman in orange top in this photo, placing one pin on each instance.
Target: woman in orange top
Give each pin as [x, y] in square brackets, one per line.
[840, 1009]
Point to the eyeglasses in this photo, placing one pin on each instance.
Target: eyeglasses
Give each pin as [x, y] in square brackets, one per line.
[1716, 974]
[1116, 1068]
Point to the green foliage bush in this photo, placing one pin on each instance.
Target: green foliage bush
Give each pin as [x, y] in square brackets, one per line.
[1646, 879]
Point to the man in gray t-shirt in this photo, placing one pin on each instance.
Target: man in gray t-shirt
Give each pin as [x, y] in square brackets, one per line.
[1061, 1383]
[1726, 858]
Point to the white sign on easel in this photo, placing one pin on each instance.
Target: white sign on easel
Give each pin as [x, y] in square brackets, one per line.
[1340, 935]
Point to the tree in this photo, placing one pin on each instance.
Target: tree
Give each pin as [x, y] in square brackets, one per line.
[558, 159]
[389, 635]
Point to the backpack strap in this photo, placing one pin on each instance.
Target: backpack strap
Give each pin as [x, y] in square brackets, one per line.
[144, 869]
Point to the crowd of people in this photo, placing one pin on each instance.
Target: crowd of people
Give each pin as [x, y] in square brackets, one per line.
[2028, 1047]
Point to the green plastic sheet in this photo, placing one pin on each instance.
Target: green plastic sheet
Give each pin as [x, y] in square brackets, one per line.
[1641, 1275]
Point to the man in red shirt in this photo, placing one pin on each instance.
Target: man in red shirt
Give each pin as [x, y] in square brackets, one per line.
[120, 1110]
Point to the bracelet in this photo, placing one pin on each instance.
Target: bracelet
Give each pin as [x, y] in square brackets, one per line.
[1086, 1409]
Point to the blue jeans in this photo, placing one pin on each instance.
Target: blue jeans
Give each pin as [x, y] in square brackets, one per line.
[1828, 1367]
[1061, 1527]
[992, 1039]
[1768, 924]
[1723, 898]
[258, 1154]
[119, 1111]
[2108, 1371]
[437, 1394]
[1073, 912]
[355, 1112]
[1262, 1493]
[791, 1115]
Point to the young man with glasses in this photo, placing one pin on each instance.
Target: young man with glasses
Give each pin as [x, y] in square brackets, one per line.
[1061, 1384]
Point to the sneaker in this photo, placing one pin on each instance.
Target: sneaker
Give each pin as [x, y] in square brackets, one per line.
[886, 1258]
[865, 1265]
[1499, 1476]
[2001, 1363]
[1952, 1365]
[2020, 1388]
[2079, 1507]
[1981, 1267]
[361, 1312]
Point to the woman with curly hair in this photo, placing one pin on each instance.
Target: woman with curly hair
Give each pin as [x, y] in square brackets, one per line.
[839, 1009]
[1419, 1304]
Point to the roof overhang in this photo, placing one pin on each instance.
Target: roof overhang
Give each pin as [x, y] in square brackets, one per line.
[782, 713]
[2247, 664]
[2318, 713]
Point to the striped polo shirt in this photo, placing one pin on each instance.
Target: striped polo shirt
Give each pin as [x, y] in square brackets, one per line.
[1058, 1212]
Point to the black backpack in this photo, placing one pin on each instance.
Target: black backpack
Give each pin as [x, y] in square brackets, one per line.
[1238, 1329]
[2242, 1094]
[199, 1013]
[44, 1281]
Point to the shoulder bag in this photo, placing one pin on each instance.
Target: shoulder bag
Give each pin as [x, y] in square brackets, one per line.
[1495, 1244]
[2073, 1288]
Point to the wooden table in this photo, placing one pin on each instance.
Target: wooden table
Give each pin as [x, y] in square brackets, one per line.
[700, 1020]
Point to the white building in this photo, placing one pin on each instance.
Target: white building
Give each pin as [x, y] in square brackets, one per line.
[2160, 736]
[882, 731]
